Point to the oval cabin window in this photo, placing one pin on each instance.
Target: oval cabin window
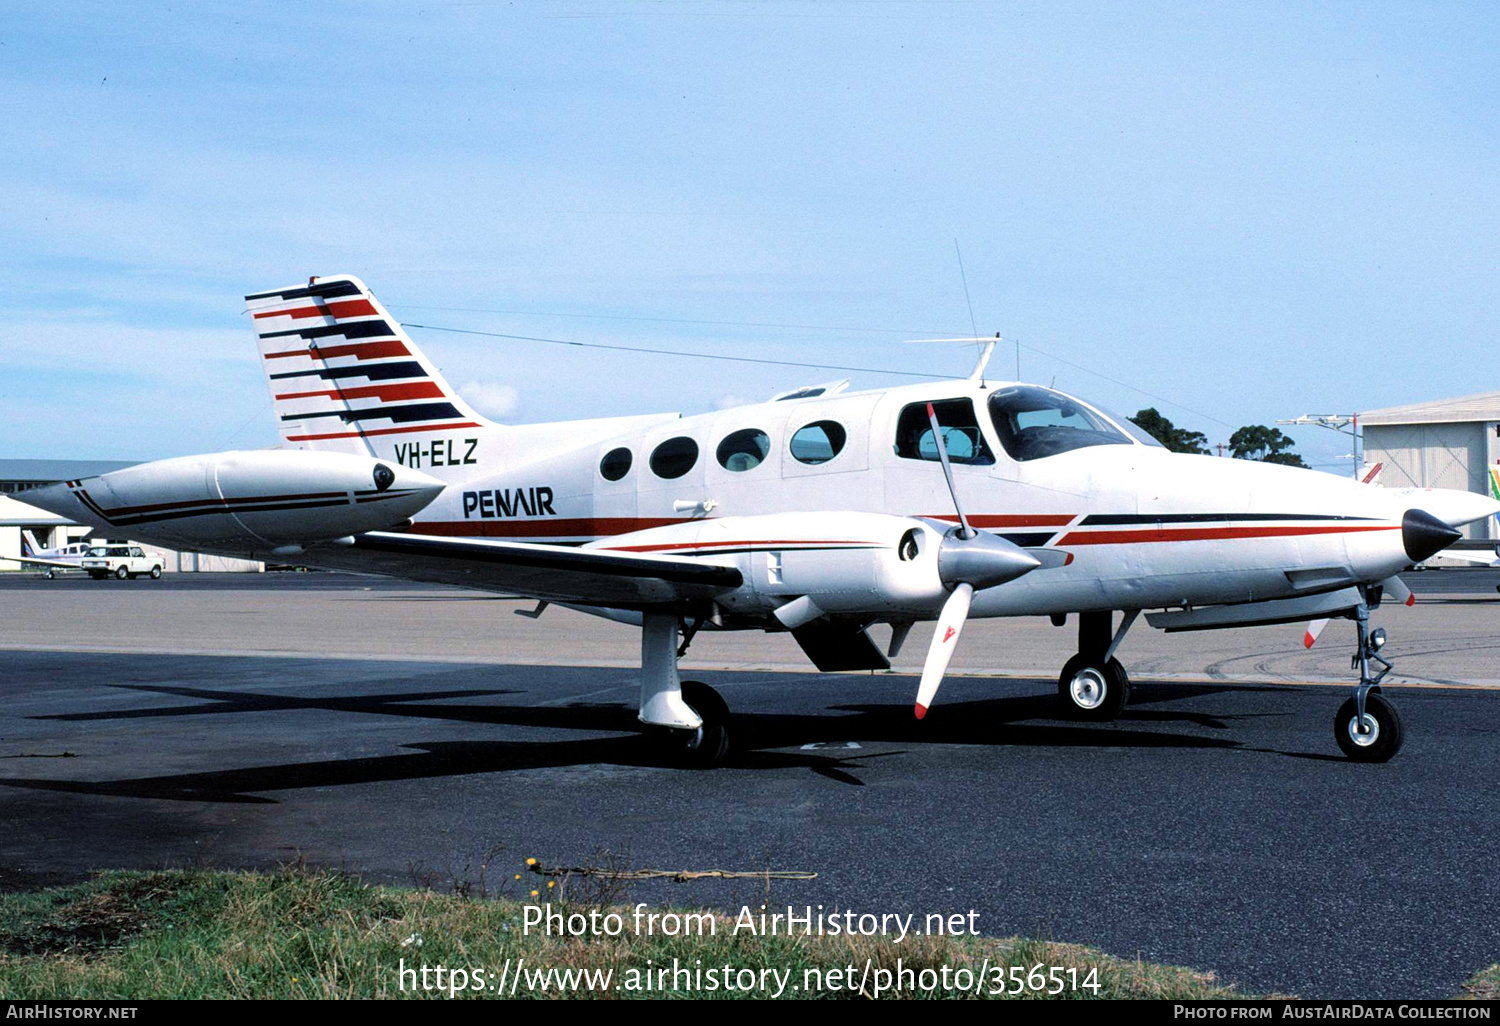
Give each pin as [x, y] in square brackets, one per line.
[615, 465]
[744, 450]
[674, 457]
[818, 442]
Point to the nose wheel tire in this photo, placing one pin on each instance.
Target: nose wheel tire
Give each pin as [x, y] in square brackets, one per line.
[1377, 738]
[708, 745]
[1090, 689]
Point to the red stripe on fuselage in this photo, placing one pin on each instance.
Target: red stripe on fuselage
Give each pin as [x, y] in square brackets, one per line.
[1171, 534]
[358, 350]
[385, 393]
[1010, 520]
[349, 308]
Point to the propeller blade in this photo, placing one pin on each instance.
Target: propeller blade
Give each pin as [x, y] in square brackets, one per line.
[942, 448]
[1313, 630]
[1396, 588]
[944, 640]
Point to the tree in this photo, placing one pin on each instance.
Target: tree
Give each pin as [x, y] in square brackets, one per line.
[1164, 431]
[1266, 444]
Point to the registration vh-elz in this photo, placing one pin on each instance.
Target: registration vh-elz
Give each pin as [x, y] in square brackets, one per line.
[821, 512]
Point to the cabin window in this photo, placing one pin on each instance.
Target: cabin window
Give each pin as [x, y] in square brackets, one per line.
[744, 450]
[616, 464]
[961, 434]
[674, 457]
[1034, 423]
[818, 442]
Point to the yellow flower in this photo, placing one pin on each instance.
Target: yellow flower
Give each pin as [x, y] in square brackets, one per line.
[531, 862]
[551, 883]
[533, 894]
[518, 876]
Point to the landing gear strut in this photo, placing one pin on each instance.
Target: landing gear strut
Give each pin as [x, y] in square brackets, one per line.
[694, 717]
[1094, 686]
[1367, 727]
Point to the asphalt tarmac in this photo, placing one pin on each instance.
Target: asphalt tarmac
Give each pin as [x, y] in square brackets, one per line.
[1214, 825]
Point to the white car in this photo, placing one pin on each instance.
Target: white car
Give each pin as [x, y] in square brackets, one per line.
[121, 561]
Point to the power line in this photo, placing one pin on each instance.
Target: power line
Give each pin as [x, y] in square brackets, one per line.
[774, 363]
[680, 320]
[679, 352]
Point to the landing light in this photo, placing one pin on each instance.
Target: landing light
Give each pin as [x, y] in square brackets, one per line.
[1377, 638]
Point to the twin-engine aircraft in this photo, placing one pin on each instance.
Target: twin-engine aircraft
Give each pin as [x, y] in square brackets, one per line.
[821, 512]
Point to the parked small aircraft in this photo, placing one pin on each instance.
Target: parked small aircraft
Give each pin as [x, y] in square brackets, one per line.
[61, 557]
[820, 512]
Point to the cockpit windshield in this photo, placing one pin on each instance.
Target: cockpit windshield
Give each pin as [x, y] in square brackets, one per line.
[1034, 423]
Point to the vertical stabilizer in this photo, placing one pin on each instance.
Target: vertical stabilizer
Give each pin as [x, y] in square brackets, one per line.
[344, 374]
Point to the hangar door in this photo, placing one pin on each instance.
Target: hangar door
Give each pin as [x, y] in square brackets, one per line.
[1430, 456]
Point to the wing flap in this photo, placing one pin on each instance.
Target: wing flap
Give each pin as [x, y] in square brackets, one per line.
[552, 572]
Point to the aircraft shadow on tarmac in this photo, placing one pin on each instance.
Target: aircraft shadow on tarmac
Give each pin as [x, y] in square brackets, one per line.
[763, 738]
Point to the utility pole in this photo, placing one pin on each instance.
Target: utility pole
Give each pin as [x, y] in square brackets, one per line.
[1344, 424]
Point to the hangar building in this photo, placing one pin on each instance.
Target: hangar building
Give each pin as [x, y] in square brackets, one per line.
[1446, 443]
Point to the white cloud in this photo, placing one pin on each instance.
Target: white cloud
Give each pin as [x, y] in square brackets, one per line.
[490, 398]
[730, 401]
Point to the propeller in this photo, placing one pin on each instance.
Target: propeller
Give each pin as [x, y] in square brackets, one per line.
[966, 560]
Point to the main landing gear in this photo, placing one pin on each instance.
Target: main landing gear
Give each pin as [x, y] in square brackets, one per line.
[693, 718]
[1367, 727]
[1094, 686]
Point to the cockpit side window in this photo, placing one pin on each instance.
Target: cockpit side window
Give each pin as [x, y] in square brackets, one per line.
[961, 434]
[1034, 423]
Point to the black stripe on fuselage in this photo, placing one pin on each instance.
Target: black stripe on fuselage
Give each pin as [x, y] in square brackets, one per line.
[373, 371]
[413, 413]
[269, 507]
[1133, 519]
[1028, 539]
[330, 291]
[350, 329]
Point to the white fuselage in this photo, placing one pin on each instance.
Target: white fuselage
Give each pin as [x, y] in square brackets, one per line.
[1146, 528]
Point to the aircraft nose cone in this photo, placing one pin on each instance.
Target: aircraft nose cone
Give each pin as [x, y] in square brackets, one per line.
[1424, 535]
[982, 561]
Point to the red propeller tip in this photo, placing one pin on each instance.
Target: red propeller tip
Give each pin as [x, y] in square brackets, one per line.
[921, 710]
[1411, 600]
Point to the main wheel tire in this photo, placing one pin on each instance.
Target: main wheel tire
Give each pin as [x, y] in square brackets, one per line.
[121, 573]
[707, 746]
[1381, 735]
[1091, 690]
[156, 573]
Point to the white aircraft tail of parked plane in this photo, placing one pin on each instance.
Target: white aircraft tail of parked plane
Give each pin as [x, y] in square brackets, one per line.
[821, 512]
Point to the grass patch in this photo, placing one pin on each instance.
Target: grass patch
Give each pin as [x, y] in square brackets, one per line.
[322, 934]
[1484, 986]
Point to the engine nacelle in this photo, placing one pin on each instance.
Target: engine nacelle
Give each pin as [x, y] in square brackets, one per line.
[244, 502]
[840, 563]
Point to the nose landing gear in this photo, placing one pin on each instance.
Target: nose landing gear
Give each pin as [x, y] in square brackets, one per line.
[1094, 686]
[1367, 727]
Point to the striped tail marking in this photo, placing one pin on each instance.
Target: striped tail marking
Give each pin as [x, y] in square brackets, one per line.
[341, 367]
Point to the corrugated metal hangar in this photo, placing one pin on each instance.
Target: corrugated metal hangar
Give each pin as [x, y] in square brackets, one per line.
[1446, 443]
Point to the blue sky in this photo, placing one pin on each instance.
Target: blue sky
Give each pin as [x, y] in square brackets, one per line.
[1250, 211]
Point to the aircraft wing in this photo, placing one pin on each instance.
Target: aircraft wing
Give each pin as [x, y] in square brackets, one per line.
[33, 561]
[553, 572]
